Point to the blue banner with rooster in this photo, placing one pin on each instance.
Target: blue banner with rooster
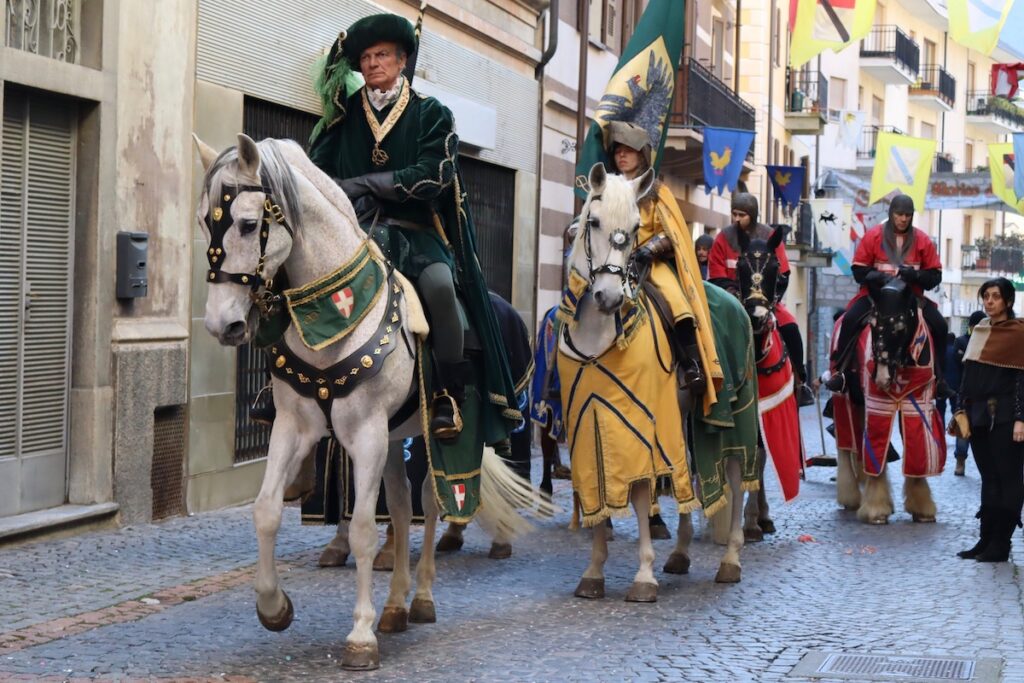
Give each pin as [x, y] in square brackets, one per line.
[724, 152]
[787, 184]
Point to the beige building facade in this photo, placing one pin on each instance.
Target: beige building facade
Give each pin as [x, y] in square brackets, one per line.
[126, 410]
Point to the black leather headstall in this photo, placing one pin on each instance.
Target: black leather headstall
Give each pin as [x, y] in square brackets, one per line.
[219, 221]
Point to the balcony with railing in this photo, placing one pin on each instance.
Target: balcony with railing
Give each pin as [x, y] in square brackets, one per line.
[944, 163]
[700, 100]
[995, 114]
[1006, 260]
[890, 55]
[867, 147]
[934, 88]
[806, 102]
[49, 28]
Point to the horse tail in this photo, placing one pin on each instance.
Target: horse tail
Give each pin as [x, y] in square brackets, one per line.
[503, 494]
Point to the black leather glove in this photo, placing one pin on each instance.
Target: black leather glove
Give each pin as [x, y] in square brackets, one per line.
[876, 278]
[643, 256]
[380, 184]
[908, 274]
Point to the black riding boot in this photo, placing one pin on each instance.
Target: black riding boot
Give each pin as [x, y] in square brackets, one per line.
[446, 419]
[984, 539]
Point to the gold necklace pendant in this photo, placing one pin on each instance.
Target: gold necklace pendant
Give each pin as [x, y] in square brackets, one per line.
[380, 130]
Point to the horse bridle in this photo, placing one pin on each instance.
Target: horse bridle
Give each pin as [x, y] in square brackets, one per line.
[219, 221]
[756, 295]
[619, 241]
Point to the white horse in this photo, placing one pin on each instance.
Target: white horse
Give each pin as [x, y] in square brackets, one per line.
[266, 206]
[609, 221]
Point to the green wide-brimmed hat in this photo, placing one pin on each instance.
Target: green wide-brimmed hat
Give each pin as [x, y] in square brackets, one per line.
[374, 29]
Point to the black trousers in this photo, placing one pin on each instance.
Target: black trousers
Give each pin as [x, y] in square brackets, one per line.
[1000, 462]
[853, 323]
[795, 346]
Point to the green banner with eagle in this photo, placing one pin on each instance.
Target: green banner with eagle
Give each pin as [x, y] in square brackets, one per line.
[640, 91]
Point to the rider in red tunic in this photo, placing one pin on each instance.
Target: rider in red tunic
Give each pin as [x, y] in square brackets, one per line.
[893, 249]
[722, 271]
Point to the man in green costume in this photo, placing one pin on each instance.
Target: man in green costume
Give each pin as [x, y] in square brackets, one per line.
[394, 152]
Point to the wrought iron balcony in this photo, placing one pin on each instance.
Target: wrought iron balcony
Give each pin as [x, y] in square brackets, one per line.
[806, 102]
[44, 27]
[934, 86]
[868, 146]
[993, 259]
[703, 100]
[890, 55]
[994, 112]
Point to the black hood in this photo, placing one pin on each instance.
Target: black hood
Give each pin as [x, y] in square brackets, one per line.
[747, 203]
[901, 203]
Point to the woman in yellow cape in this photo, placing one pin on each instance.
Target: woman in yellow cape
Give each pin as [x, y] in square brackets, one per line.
[664, 242]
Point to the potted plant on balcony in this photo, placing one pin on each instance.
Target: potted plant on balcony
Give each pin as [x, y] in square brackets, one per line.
[984, 245]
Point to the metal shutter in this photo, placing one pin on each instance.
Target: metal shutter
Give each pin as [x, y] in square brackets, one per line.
[35, 286]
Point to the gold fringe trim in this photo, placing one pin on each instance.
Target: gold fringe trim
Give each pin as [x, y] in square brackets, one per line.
[716, 507]
[749, 486]
[690, 506]
[604, 513]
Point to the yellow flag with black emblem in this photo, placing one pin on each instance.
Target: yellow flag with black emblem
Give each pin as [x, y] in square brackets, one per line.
[903, 164]
[820, 25]
[640, 91]
[1002, 165]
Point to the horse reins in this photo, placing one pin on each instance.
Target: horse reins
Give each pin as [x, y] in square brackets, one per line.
[219, 221]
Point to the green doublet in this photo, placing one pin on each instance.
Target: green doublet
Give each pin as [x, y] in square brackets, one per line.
[421, 150]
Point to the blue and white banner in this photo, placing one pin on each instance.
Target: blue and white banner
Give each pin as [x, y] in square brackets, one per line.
[724, 152]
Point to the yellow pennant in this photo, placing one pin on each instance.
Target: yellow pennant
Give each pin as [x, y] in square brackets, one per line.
[976, 23]
[904, 164]
[828, 25]
[1001, 167]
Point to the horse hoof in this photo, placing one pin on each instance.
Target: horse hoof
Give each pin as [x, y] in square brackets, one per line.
[878, 521]
[393, 620]
[360, 657]
[500, 551]
[677, 563]
[753, 534]
[924, 519]
[384, 561]
[728, 573]
[766, 525]
[851, 508]
[642, 592]
[660, 532]
[591, 589]
[448, 543]
[422, 611]
[333, 557]
[281, 620]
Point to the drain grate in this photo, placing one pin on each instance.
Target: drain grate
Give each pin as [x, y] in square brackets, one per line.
[932, 668]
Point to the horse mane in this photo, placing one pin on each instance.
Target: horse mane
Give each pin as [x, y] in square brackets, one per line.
[275, 174]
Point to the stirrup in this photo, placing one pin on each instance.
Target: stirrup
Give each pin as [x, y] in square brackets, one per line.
[443, 430]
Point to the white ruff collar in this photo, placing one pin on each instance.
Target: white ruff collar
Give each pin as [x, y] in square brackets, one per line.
[382, 98]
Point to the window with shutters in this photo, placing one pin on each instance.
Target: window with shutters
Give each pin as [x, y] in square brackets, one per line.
[36, 231]
[605, 23]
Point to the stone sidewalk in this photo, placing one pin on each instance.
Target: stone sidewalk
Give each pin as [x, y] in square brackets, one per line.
[173, 601]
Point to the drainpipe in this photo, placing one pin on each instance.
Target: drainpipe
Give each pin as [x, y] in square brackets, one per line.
[583, 16]
[736, 53]
[942, 148]
[771, 91]
[538, 75]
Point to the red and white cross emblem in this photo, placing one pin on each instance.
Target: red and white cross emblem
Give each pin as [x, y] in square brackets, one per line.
[460, 495]
[344, 301]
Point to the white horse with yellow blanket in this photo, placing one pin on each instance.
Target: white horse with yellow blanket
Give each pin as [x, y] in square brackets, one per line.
[619, 395]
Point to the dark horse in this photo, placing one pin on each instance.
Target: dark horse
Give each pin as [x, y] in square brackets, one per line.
[758, 272]
[893, 354]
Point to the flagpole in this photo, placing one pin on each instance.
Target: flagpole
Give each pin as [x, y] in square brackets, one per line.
[583, 19]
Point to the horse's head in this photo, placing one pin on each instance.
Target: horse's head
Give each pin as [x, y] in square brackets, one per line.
[892, 329]
[608, 226]
[247, 210]
[758, 271]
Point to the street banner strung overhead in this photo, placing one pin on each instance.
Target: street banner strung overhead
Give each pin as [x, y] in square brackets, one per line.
[902, 164]
[819, 25]
[1002, 167]
[851, 123]
[640, 91]
[1005, 79]
[724, 152]
[833, 223]
[976, 24]
[787, 184]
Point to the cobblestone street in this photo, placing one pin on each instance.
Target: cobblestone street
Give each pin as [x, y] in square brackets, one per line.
[174, 600]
